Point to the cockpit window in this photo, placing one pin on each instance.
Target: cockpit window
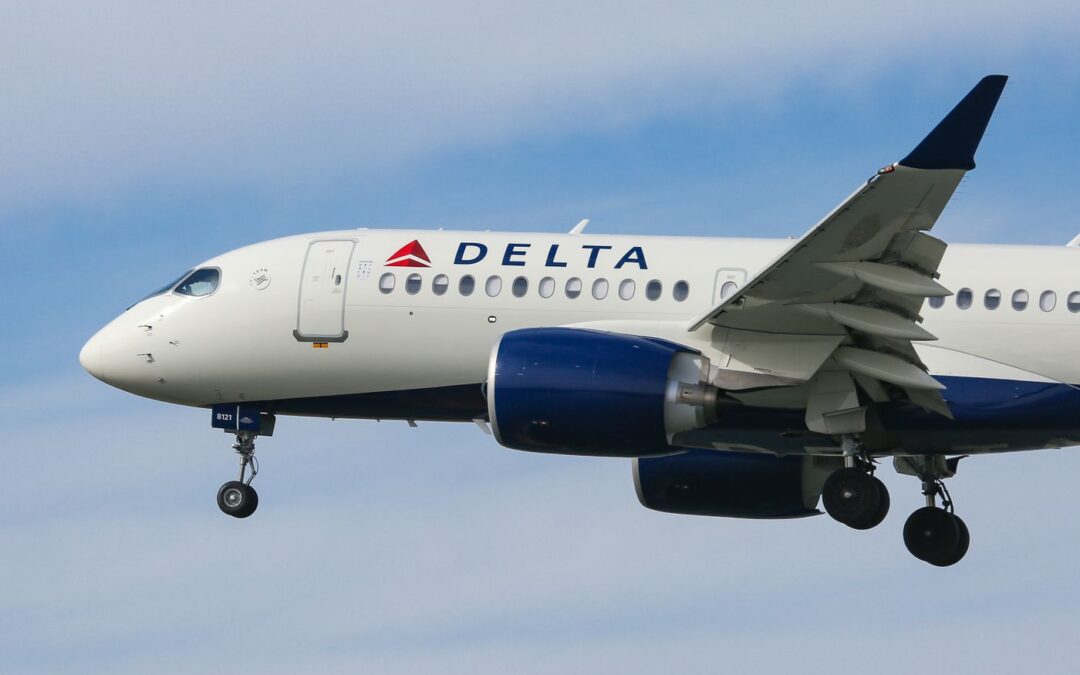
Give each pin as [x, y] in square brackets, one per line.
[167, 287]
[200, 282]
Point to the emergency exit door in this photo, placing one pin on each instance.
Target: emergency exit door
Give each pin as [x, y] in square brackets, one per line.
[728, 280]
[321, 314]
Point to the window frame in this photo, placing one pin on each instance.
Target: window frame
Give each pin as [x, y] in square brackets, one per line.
[965, 298]
[1072, 301]
[393, 283]
[598, 283]
[540, 287]
[658, 285]
[576, 294]
[1053, 300]
[1013, 301]
[180, 283]
[675, 290]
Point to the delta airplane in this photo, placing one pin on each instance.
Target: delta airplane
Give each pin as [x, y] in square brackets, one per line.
[746, 378]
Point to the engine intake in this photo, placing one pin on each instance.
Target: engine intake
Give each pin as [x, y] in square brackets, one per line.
[586, 392]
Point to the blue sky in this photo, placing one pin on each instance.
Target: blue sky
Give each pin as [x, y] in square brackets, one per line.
[142, 139]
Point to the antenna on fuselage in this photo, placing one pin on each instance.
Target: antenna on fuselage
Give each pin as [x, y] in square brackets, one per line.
[580, 227]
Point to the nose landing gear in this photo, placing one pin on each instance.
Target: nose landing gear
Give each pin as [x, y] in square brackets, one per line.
[237, 498]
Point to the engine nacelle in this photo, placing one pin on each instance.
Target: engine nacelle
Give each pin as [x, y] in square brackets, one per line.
[736, 485]
[586, 392]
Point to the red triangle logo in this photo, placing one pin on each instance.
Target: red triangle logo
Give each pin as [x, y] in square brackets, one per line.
[409, 255]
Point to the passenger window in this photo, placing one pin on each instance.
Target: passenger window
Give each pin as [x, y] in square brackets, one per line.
[413, 283]
[626, 289]
[200, 282]
[654, 289]
[963, 298]
[573, 287]
[440, 284]
[547, 287]
[992, 299]
[680, 291]
[493, 286]
[1020, 300]
[1048, 301]
[520, 287]
[387, 282]
[937, 301]
[467, 285]
[728, 289]
[1073, 301]
[599, 289]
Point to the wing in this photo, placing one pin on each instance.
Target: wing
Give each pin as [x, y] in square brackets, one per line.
[863, 272]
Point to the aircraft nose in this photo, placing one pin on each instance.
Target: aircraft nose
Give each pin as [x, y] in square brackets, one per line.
[91, 358]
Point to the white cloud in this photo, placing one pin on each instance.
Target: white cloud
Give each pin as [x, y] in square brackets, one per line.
[112, 97]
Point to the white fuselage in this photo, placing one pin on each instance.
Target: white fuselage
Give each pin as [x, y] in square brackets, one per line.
[246, 341]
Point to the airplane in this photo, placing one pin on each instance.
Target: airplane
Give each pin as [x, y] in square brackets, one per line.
[744, 377]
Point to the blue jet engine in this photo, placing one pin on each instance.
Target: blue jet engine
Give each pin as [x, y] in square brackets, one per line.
[586, 392]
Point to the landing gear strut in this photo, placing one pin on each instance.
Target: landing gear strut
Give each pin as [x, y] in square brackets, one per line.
[932, 534]
[853, 495]
[237, 498]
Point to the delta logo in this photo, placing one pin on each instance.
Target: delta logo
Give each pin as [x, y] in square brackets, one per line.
[409, 255]
[516, 254]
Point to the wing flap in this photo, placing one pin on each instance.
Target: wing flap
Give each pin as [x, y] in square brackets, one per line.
[872, 320]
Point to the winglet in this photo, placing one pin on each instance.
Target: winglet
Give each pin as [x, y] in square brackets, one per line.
[580, 227]
[952, 143]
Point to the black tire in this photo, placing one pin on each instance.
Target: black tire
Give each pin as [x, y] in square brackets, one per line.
[237, 499]
[933, 535]
[855, 498]
[874, 519]
[961, 549]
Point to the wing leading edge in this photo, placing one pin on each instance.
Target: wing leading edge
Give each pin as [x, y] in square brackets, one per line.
[863, 272]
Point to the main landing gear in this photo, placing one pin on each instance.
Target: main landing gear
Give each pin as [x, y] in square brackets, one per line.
[237, 498]
[855, 497]
[934, 535]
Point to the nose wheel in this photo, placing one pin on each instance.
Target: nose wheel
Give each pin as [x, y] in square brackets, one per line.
[237, 498]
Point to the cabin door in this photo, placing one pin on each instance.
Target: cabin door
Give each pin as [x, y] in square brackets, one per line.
[321, 314]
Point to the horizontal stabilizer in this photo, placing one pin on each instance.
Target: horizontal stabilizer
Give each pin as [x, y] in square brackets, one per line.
[952, 143]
